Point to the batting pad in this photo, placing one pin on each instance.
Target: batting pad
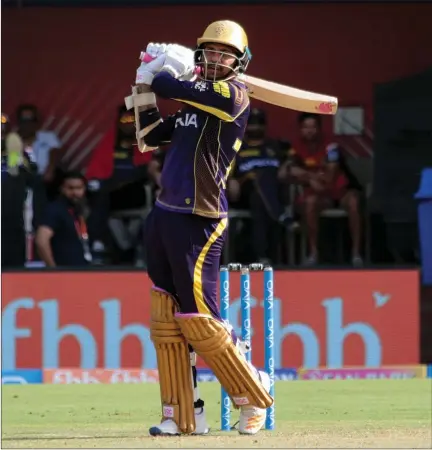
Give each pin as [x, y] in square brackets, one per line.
[212, 341]
[173, 360]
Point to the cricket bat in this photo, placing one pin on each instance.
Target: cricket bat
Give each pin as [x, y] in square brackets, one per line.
[283, 96]
[289, 97]
[267, 91]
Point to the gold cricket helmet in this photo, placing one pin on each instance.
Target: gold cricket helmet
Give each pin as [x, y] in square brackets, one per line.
[225, 32]
[228, 33]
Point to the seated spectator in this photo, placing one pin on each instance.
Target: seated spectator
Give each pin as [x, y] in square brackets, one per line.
[62, 238]
[44, 146]
[253, 185]
[318, 165]
[117, 173]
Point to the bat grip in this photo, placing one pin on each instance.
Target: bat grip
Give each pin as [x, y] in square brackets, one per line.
[145, 57]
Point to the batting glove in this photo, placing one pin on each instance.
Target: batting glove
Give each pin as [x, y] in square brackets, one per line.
[179, 62]
[147, 70]
[153, 50]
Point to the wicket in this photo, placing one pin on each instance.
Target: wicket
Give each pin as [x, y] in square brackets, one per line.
[246, 327]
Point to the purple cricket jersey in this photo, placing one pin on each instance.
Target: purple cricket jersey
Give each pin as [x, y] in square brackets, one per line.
[204, 136]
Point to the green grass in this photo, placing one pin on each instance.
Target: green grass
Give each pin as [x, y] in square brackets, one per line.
[309, 414]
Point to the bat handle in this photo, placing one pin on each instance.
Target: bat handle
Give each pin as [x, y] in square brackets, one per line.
[145, 57]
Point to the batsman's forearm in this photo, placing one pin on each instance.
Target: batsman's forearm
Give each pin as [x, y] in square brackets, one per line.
[150, 121]
[158, 131]
[158, 136]
[164, 85]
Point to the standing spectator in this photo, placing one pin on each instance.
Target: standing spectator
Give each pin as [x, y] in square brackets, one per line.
[44, 145]
[12, 148]
[42, 150]
[318, 165]
[254, 185]
[117, 172]
[62, 238]
[14, 185]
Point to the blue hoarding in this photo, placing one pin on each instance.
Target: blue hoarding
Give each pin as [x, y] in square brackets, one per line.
[24, 376]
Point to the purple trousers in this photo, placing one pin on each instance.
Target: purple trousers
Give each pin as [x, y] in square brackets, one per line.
[183, 258]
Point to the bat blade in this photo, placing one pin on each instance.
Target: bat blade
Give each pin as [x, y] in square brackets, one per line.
[289, 97]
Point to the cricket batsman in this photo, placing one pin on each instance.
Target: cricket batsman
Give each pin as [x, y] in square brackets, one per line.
[186, 229]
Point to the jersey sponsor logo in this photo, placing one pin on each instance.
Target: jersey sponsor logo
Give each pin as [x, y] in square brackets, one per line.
[201, 86]
[190, 120]
[222, 88]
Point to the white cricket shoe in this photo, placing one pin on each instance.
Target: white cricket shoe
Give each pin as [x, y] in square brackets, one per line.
[166, 428]
[169, 427]
[252, 419]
